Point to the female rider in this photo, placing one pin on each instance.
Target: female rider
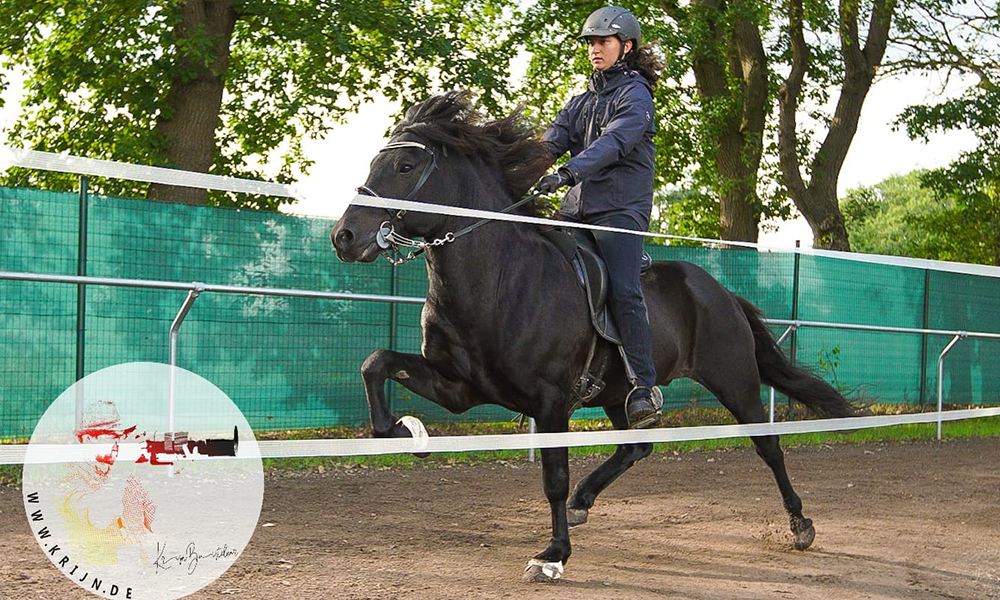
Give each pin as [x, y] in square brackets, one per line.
[608, 131]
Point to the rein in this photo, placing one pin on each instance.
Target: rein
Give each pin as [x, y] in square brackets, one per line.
[390, 241]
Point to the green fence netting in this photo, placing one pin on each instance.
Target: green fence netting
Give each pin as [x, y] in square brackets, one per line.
[292, 363]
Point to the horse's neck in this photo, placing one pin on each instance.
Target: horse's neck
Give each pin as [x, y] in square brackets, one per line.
[471, 270]
[468, 275]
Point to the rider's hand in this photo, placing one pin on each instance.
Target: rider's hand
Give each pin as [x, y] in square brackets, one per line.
[553, 182]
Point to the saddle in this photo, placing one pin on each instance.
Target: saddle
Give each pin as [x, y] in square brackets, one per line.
[580, 250]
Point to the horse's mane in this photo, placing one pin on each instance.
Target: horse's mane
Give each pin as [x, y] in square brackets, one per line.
[450, 121]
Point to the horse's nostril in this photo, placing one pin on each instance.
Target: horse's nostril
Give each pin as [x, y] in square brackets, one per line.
[343, 238]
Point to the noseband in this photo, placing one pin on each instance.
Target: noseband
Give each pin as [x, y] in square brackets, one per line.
[390, 242]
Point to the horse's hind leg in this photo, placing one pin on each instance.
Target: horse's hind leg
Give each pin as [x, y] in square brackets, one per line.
[747, 408]
[802, 528]
[593, 484]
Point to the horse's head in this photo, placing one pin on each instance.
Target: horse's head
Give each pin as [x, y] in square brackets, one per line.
[406, 168]
[442, 153]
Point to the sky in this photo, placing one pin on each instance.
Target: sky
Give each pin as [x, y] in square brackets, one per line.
[877, 152]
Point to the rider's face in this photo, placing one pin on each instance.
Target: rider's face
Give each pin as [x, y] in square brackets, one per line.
[603, 51]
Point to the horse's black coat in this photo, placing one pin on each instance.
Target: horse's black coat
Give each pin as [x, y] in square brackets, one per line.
[506, 323]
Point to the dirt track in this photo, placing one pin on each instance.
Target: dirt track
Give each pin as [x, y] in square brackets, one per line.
[905, 520]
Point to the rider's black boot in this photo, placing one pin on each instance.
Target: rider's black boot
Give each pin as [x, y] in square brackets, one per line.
[640, 408]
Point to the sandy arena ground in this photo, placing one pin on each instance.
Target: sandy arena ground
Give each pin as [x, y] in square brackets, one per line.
[903, 520]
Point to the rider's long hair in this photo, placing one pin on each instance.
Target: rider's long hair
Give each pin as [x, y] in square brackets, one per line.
[644, 61]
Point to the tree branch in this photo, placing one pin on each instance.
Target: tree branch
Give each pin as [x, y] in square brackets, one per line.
[878, 32]
[752, 63]
[860, 67]
[850, 43]
[709, 70]
[788, 104]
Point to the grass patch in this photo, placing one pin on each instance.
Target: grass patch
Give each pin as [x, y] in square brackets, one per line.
[10, 475]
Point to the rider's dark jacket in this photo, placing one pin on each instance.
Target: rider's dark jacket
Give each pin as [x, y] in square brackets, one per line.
[608, 131]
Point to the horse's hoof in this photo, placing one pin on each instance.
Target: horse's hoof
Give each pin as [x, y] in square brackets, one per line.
[576, 516]
[539, 571]
[417, 431]
[804, 537]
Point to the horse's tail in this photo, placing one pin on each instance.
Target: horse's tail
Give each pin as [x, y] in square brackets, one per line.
[776, 371]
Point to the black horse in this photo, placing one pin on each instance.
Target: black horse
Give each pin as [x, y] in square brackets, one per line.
[506, 321]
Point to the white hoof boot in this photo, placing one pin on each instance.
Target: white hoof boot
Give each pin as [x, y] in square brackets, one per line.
[539, 571]
[417, 430]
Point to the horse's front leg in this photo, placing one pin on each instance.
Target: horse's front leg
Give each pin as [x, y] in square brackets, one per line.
[415, 373]
[547, 566]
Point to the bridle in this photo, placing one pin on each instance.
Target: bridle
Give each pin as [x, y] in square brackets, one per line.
[428, 168]
[390, 241]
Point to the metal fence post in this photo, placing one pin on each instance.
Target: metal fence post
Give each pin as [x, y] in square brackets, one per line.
[81, 298]
[793, 345]
[390, 393]
[531, 429]
[791, 329]
[940, 404]
[923, 349]
[174, 328]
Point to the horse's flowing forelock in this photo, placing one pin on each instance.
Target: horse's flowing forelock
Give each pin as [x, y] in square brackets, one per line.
[449, 120]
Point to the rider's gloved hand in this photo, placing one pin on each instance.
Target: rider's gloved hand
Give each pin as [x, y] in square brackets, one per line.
[553, 182]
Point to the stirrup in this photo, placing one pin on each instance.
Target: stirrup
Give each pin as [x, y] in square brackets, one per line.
[644, 417]
[655, 395]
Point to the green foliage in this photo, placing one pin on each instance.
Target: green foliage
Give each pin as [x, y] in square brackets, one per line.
[687, 213]
[945, 214]
[968, 226]
[98, 74]
[881, 219]
[829, 362]
[962, 40]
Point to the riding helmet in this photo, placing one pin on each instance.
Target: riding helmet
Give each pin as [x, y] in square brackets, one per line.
[613, 20]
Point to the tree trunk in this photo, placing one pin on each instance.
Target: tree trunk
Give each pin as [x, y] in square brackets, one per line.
[817, 200]
[740, 148]
[194, 100]
[738, 211]
[733, 55]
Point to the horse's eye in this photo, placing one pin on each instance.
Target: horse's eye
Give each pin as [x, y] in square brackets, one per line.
[404, 169]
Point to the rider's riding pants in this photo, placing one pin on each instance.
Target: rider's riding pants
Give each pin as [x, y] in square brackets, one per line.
[622, 253]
